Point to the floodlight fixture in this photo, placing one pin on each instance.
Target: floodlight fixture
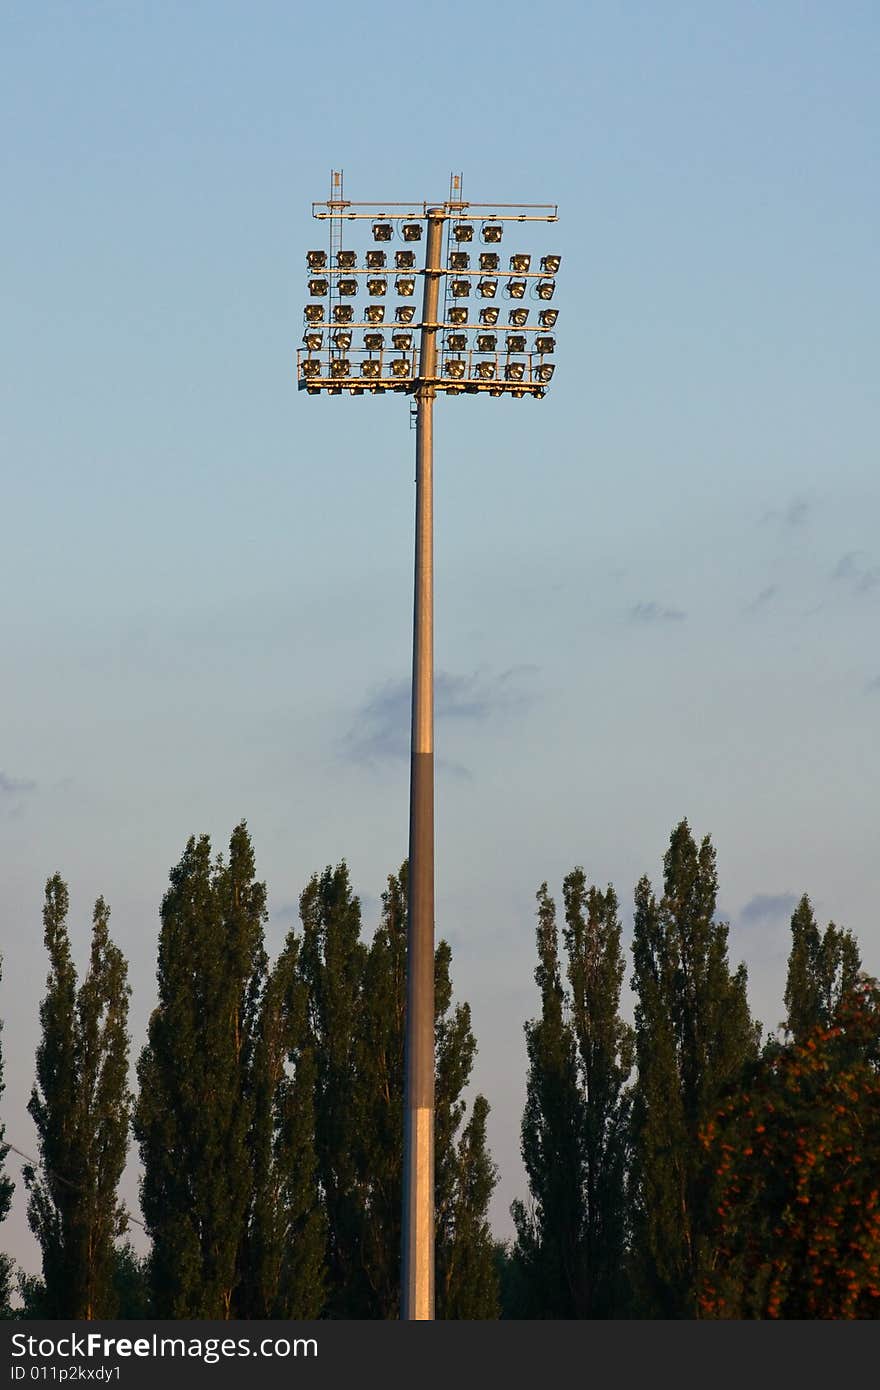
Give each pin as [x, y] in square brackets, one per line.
[458, 314]
[400, 366]
[311, 367]
[460, 289]
[492, 233]
[318, 287]
[342, 339]
[459, 260]
[343, 313]
[485, 371]
[314, 313]
[520, 263]
[515, 289]
[405, 285]
[347, 287]
[402, 341]
[411, 231]
[516, 342]
[456, 342]
[404, 313]
[544, 289]
[550, 264]
[545, 344]
[487, 342]
[405, 260]
[340, 366]
[377, 287]
[489, 315]
[346, 260]
[463, 231]
[375, 313]
[376, 260]
[371, 368]
[544, 371]
[487, 288]
[515, 371]
[455, 368]
[547, 318]
[518, 318]
[489, 260]
[382, 231]
[374, 341]
[316, 260]
[313, 341]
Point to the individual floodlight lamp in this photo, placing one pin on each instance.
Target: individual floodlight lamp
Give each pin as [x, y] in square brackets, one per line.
[460, 289]
[313, 341]
[347, 287]
[340, 367]
[411, 231]
[463, 231]
[520, 264]
[314, 313]
[487, 342]
[518, 318]
[455, 368]
[459, 260]
[316, 260]
[374, 342]
[544, 289]
[485, 371]
[346, 260]
[543, 345]
[489, 260]
[404, 313]
[402, 341]
[375, 313]
[456, 342]
[515, 289]
[550, 264]
[372, 368]
[458, 314]
[400, 366]
[377, 287]
[492, 233]
[487, 288]
[544, 372]
[405, 260]
[376, 260]
[547, 318]
[318, 287]
[382, 231]
[514, 371]
[343, 313]
[405, 285]
[516, 342]
[311, 367]
[489, 315]
[342, 339]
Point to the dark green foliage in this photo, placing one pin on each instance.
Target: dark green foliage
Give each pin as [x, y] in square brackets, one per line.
[131, 1288]
[571, 1244]
[694, 1035]
[282, 1255]
[195, 1107]
[80, 1105]
[7, 1187]
[821, 969]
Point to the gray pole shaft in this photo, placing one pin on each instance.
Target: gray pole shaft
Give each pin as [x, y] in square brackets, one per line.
[417, 1292]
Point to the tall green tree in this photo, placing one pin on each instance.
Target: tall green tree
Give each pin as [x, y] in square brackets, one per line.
[7, 1187]
[195, 1108]
[694, 1035]
[283, 1251]
[552, 1233]
[822, 968]
[80, 1104]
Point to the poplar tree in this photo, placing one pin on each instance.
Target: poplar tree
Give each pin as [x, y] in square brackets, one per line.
[7, 1187]
[822, 968]
[551, 1235]
[195, 1108]
[694, 1035]
[80, 1105]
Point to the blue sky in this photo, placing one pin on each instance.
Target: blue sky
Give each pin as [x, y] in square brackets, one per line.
[658, 590]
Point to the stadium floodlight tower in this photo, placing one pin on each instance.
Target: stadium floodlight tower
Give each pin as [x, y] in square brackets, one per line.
[454, 350]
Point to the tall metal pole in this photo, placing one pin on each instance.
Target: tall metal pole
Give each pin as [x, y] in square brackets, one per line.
[417, 1294]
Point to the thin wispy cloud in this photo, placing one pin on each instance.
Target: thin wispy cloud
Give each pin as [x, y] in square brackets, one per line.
[768, 908]
[794, 515]
[381, 728]
[763, 598]
[851, 571]
[15, 786]
[655, 613]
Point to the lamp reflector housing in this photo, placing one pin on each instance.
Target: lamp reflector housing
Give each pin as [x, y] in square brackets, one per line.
[545, 344]
[371, 368]
[346, 260]
[514, 371]
[489, 260]
[518, 318]
[318, 287]
[382, 231]
[516, 342]
[316, 260]
[402, 341]
[400, 366]
[455, 367]
[405, 313]
[487, 342]
[348, 287]
[456, 341]
[376, 260]
[520, 263]
[340, 366]
[547, 318]
[544, 289]
[463, 231]
[412, 231]
[374, 341]
[459, 260]
[458, 315]
[544, 371]
[487, 288]
[492, 233]
[343, 313]
[405, 260]
[342, 339]
[550, 264]
[375, 313]
[516, 289]
[485, 371]
[311, 367]
[460, 289]
[489, 315]
[314, 313]
[377, 287]
[405, 285]
[313, 341]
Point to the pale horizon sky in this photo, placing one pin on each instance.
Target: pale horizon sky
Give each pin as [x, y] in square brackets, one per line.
[658, 590]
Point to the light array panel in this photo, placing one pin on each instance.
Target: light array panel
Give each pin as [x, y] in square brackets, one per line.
[362, 331]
